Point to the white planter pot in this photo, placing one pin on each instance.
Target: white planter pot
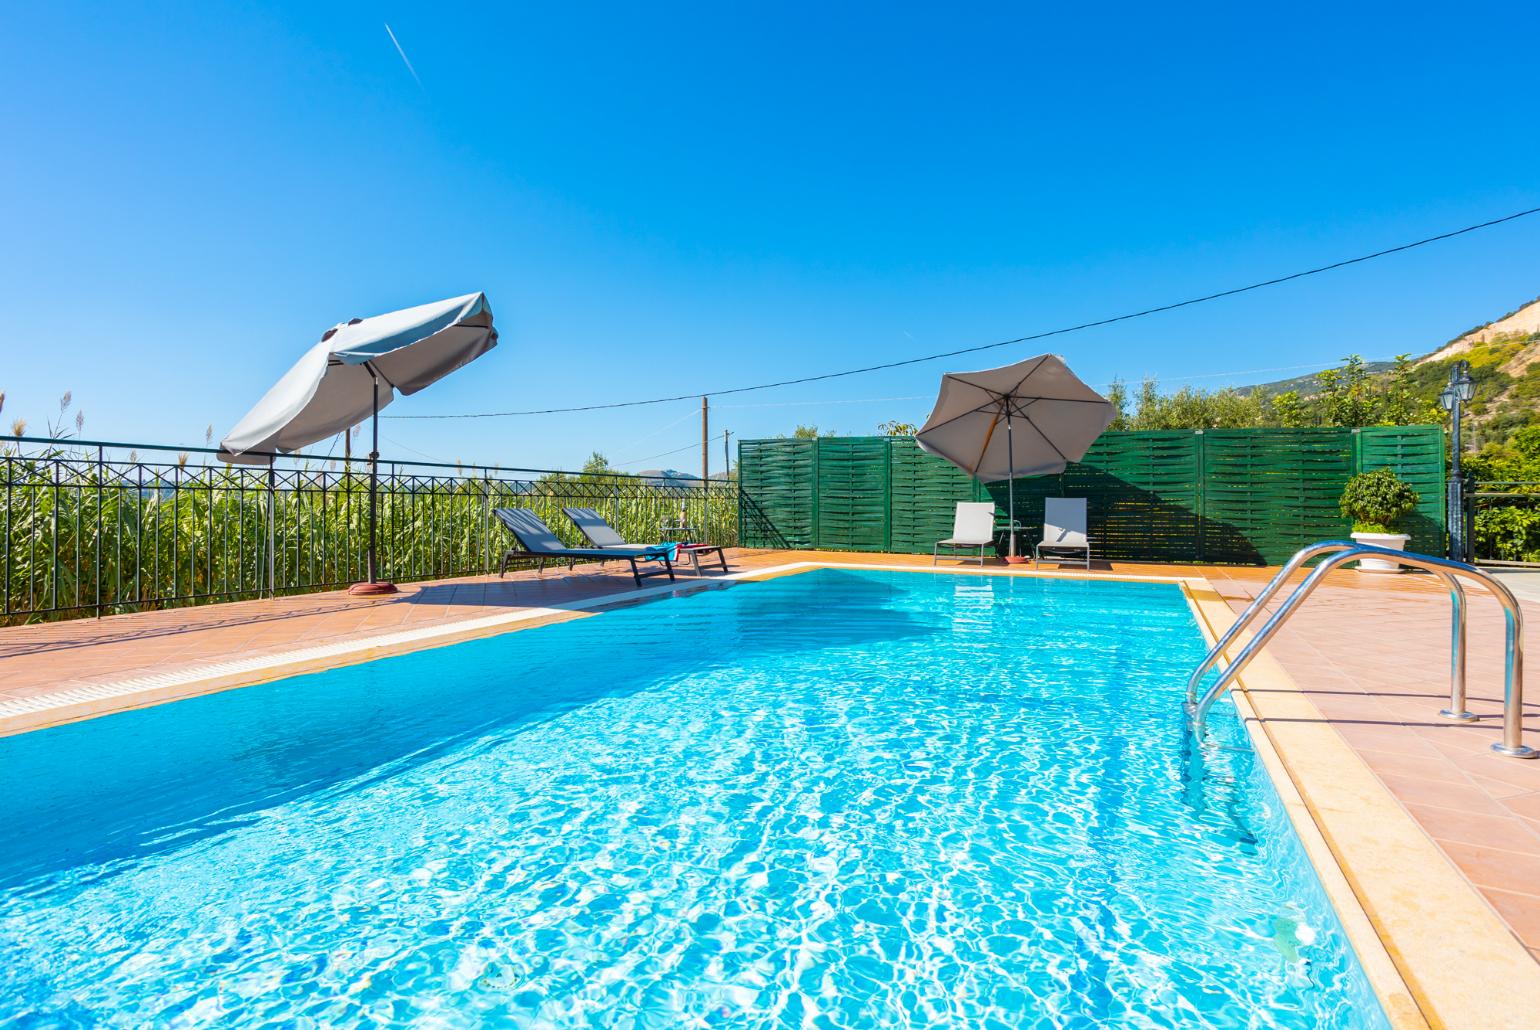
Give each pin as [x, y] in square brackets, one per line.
[1394, 541]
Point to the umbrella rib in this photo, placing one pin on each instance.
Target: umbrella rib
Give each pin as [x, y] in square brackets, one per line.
[1033, 369]
[1062, 400]
[374, 370]
[983, 450]
[998, 396]
[1030, 373]
[980, 410]
[1022, 410]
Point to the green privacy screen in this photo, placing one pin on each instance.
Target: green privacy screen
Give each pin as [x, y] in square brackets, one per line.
[1243, 496]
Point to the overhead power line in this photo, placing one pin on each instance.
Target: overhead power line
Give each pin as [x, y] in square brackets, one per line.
[676, 450]
[1279, 280]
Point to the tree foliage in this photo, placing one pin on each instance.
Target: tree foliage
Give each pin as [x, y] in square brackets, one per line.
[1509, 530]
[1350, 395]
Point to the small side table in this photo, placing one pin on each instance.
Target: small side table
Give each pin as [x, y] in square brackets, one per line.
[695, 552]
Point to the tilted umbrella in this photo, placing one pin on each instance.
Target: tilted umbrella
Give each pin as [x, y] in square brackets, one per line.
[353, 372]
[980, 415]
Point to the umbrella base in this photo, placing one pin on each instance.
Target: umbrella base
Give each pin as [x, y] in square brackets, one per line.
[1016, 559]
[377, 589]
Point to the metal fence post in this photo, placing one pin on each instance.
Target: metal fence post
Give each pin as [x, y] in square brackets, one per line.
[272, 497]
[99, 473]
[10, 475]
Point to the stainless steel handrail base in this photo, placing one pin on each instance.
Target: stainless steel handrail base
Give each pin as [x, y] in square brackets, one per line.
[1522, 751]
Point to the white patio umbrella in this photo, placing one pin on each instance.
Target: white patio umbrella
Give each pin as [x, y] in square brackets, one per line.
[353, 372]
[1057, 416]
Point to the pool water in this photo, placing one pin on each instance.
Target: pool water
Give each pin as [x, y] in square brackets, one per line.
[837, 799]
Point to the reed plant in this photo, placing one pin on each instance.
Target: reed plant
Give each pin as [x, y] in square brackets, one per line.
[84, 532]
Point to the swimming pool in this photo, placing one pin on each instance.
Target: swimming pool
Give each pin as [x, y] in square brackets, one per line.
[841, 798]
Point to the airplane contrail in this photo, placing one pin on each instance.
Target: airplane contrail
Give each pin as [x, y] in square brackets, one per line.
[404, 59]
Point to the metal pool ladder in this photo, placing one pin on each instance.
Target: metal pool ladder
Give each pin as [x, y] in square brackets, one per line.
[1339, 552]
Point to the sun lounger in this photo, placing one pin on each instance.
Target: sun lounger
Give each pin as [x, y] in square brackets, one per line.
[602, 535]
[1064, 532]
[538, 542]
[972, 526]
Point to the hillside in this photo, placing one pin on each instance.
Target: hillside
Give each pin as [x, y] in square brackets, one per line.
[1504, 357]
[1520, 326]
[1510, 343]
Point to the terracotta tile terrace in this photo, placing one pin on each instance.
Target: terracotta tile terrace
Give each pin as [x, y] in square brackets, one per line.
[1371, 653]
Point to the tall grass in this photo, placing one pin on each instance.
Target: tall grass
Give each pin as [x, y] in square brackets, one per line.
[83, 532]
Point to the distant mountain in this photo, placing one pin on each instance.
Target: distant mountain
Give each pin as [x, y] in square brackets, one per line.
[1306, 385]
[673, 477]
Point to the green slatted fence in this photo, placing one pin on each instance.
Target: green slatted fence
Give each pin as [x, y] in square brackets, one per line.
[781, 477]
[1142, 490]
[1242, 496]
[1417, 458]
[1266, 494]
[853, 501]
[923, 493]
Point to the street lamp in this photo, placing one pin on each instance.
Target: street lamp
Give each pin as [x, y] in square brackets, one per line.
[1460, 390]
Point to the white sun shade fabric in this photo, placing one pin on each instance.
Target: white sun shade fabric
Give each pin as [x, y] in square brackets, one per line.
[1054, 419]
[329, 389]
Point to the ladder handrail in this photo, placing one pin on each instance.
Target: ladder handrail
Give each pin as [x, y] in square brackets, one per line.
[1301, 556]
[1456, 709]
[1342, 551]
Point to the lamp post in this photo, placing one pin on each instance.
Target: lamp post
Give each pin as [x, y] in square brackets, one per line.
[1452, 399]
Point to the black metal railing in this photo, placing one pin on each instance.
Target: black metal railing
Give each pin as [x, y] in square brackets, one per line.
[1505, 521]
[98, 527]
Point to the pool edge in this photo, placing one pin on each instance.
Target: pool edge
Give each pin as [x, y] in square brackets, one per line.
[1430, 945]
[110, 697]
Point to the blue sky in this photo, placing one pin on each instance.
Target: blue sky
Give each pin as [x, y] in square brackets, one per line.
[661, 200]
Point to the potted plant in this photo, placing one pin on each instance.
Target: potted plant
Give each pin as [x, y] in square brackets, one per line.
[1376, 501]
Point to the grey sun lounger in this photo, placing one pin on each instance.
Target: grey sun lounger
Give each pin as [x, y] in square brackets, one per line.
[601, 534]
[537, 541]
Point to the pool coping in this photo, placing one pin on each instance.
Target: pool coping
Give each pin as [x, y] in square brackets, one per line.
[1430, 945]
[74, 704]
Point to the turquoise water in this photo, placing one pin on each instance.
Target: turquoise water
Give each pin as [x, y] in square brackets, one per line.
[835, 799]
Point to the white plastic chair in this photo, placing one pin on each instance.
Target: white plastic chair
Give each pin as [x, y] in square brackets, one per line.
[1064, 532]
[973, 526]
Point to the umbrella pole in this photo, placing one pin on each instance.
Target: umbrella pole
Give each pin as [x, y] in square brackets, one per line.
[1010, 486]
[372, 585]
[374, 480]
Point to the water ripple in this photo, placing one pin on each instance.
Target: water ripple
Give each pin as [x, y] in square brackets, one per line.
[838, 800]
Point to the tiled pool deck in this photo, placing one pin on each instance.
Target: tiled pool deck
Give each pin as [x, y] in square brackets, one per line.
[1370, 652]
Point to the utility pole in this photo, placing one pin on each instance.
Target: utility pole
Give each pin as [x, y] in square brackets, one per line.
[727, 456]
[705, 436]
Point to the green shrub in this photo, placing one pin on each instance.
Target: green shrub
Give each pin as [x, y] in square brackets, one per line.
[1377, 500]
[1508, 533]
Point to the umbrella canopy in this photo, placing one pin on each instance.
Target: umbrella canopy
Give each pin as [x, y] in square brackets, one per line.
[1027, 419]
[356, 369]
[1054, 419]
